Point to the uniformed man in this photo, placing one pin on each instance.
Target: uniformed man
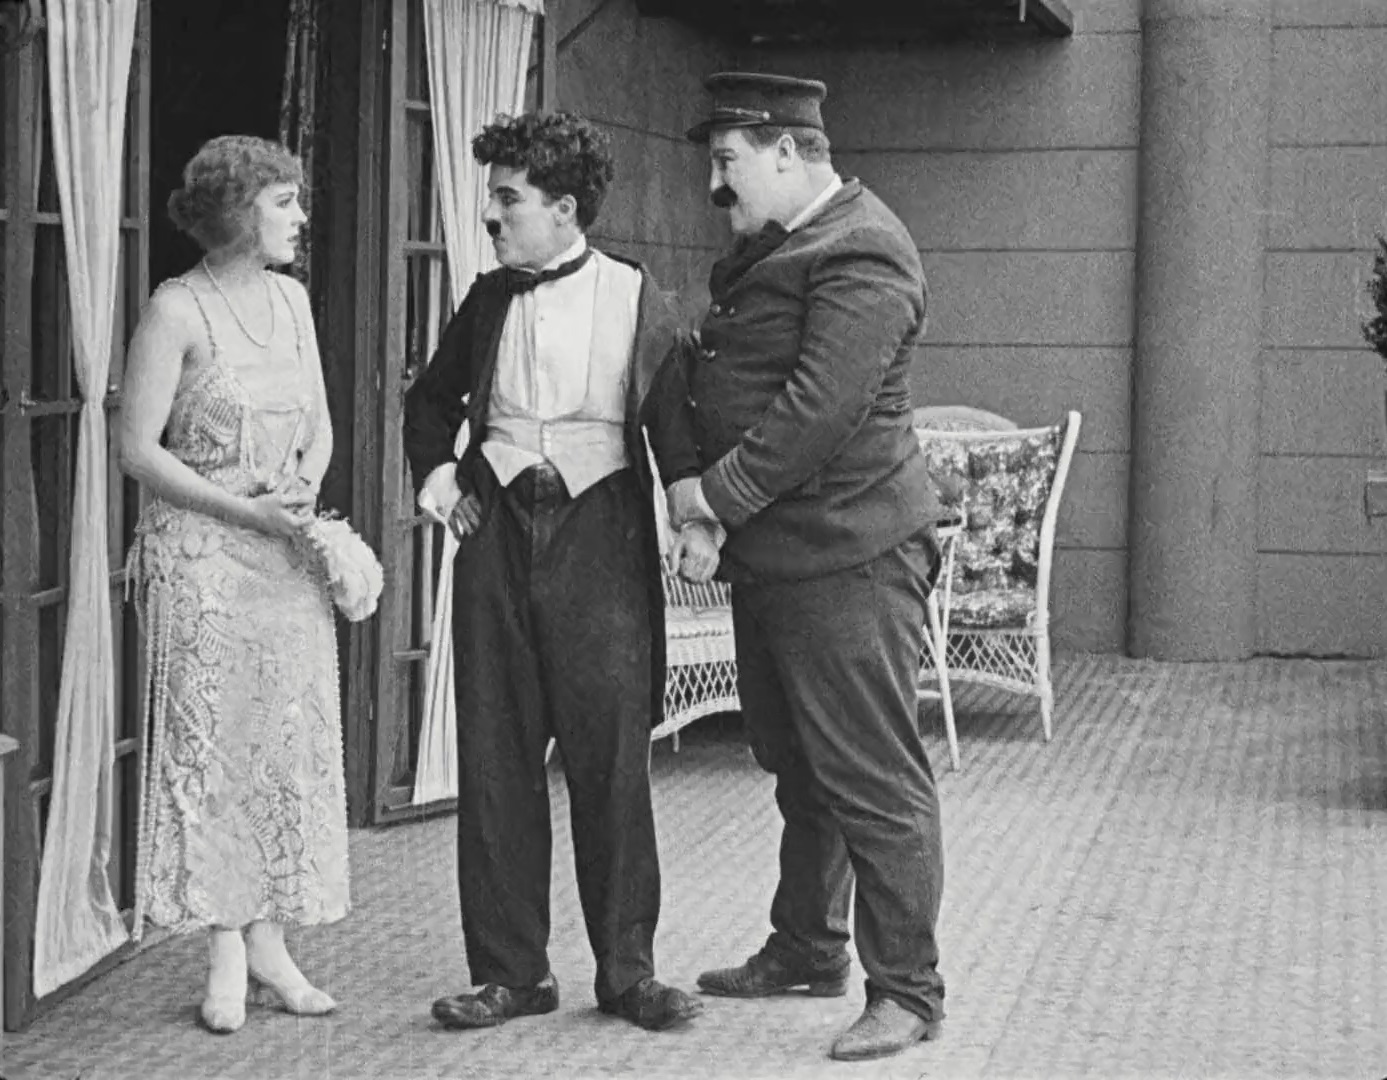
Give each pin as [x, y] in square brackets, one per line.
[788, 423]
[558, 617]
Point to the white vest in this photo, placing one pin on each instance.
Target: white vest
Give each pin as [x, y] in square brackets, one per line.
[562, 370]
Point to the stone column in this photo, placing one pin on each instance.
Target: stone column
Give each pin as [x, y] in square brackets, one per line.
[1205, 90]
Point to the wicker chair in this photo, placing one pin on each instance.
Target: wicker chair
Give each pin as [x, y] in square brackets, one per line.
[995, 625]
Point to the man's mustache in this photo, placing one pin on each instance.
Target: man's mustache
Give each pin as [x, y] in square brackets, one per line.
[723, 197]
[493, 228]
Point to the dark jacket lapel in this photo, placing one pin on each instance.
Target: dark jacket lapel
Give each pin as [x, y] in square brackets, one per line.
[491, 320]
[656, 322]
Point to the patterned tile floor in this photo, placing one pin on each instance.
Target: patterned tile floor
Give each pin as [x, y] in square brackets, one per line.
[1188, 882]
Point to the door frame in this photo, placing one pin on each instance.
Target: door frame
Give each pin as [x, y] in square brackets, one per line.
[372, 182]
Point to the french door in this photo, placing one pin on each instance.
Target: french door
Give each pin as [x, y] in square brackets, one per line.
[39, 406]
[409, 268]
[403, 283]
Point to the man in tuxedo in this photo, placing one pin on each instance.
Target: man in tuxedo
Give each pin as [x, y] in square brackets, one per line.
[558, 617]
[788, 423]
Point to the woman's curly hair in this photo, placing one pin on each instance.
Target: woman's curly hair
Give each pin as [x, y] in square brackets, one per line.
[222, 181]
[561, 153]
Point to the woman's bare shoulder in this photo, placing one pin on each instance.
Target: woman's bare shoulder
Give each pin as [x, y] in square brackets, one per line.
[173, 301]
[171, 320]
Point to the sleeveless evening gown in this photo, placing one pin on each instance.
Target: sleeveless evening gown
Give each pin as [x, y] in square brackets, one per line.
[243, 809]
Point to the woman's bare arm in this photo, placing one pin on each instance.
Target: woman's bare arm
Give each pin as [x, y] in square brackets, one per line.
[154, 364]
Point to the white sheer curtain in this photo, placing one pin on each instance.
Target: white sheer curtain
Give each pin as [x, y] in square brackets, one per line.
[89, 51]
[479, 55]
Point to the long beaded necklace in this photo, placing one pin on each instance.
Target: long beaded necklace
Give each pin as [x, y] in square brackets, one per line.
[237, 315]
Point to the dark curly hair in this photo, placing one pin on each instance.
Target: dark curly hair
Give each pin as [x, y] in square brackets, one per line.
[561, 153]
[222, 181]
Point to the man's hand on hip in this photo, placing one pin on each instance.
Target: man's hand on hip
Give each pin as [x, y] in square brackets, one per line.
[440, 493]
[466, 516]
[442, 501]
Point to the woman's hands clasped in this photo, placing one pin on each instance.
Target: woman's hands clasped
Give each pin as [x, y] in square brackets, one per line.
[285, 511]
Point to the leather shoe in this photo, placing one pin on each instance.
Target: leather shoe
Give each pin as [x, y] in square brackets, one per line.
[883, 1029]
[495, 1004]
[653, 1005]
[763, 975]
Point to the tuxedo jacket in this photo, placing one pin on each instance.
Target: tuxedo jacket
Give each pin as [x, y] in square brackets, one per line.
[457, 386]
[793, 401]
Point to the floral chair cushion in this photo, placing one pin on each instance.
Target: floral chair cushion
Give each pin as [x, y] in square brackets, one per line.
[1004, 484]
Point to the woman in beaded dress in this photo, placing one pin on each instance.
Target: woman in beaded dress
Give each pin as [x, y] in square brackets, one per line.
[243, 813]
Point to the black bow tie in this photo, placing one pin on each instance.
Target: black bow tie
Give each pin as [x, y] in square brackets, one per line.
[520, 281]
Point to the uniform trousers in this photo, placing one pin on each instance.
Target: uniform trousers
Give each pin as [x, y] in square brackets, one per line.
[827, 674]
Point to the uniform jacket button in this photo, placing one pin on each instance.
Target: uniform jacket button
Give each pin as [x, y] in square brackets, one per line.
[709, 354]
[716, 309]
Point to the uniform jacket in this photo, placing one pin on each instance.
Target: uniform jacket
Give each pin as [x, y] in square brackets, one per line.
[793, 402]
[457, 385]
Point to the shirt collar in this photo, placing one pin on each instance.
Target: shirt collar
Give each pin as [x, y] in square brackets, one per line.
[834, 186]
[567, 256]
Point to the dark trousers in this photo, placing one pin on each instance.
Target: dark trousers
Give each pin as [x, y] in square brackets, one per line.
[551, 622]
[827, 672]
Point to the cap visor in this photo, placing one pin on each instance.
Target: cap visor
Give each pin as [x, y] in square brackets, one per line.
[699, 133]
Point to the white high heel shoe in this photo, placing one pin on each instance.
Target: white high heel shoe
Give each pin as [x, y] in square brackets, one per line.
[272, 970]
[224, 1006]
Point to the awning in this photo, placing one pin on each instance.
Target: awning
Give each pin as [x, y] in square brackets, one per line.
[856, 22]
